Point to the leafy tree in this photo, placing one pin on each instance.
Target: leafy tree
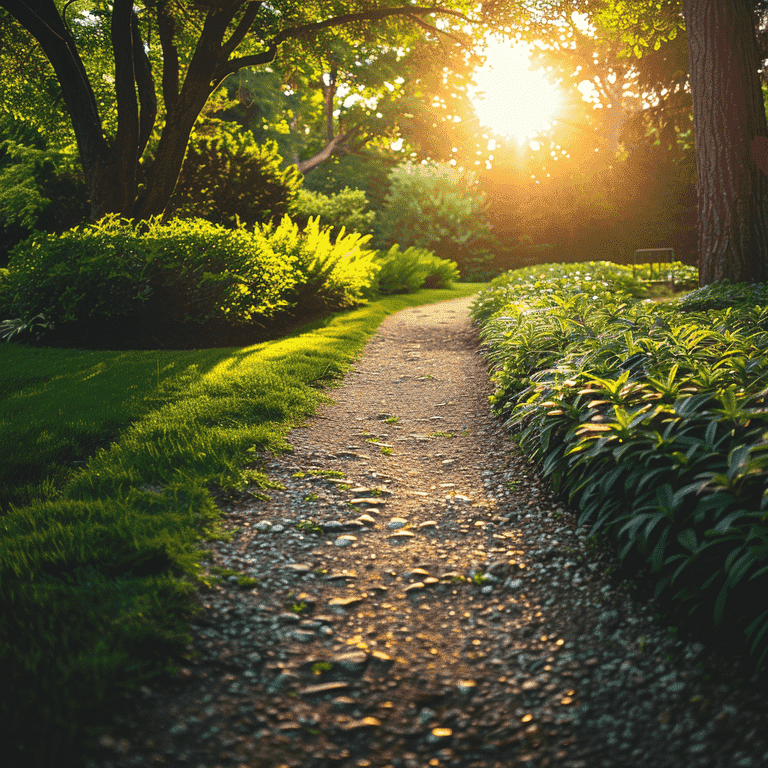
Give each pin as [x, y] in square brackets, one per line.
[166, 58]
[228, 177]
[440, 208]
[729, 119]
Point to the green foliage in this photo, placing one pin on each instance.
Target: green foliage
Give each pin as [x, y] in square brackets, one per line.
[407, 271]
[96, 572]
[185, 272]
[652, 422]
[39, 190]
[227, 178]
[348, 209]
[439, 208]
[332, 272]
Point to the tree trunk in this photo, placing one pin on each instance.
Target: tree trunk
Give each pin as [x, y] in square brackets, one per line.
[728, 114]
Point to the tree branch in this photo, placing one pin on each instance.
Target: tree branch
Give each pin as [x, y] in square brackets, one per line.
[166, 31]
[266, 57]
[241, 30]
[146, 88]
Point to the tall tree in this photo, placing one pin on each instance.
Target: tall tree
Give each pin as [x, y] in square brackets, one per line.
[168, 56]
[729, 122]
[729, 114]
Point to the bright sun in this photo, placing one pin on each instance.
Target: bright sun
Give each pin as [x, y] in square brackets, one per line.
[510, 99]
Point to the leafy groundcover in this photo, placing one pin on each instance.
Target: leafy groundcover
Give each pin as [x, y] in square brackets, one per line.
[651, 419]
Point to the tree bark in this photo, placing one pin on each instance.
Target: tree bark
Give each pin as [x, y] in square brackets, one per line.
[728, 115]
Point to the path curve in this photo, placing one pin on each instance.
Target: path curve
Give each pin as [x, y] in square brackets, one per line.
[423, 601]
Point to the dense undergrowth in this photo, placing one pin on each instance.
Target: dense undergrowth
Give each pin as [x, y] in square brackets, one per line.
[118, 458]
[652, 420]
[193, 284]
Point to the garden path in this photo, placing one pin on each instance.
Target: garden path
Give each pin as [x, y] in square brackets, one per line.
[423, 601]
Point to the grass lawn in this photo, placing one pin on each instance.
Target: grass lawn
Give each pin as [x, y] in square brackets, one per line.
[109, 461]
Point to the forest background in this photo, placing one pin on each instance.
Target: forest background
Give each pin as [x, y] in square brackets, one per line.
[338, 121]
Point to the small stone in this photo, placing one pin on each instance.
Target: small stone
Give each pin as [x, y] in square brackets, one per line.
[382, 659]
[486, 590]
[448, 462]
[368, 501]
[302, 636]
[288, 618]
[451, 575]
[340, 575]
[439, 734]
[428, 524]
[345, 541]
[366, 722]
[277, 528]
[282, 681]
[332, 525]
[352, 662]
[402, 535]
[417, 572]
[320, 688]
[396, 523]
[299, 567]
[366, 520]
[430, 581]
[339, 604]
[466, 686]
[416, 587]
[263, 526]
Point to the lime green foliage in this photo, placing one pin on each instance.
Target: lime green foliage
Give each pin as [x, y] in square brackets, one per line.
[407, 271]
[651, 419]
[183, 272]
[332, 271]
[348, 209]
[229, 179]
[440, 208]
[95, 575]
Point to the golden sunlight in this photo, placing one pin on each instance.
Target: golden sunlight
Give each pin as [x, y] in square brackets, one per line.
[510, 99]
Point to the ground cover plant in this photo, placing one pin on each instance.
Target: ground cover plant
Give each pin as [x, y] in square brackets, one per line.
[651, 419]
[99, 544]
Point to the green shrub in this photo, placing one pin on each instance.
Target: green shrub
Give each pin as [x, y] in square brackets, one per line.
[407, 271]
[652, 423]
[39, 190]
[440, 208]
[347, 209]
[227, 177]
[333, 272]
[191, 273]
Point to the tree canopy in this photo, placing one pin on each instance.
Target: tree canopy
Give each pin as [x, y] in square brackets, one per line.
[135, 73]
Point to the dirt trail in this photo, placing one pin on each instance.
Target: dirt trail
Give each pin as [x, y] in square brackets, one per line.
[423, 602]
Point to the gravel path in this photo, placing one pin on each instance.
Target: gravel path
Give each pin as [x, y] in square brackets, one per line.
[423, 601]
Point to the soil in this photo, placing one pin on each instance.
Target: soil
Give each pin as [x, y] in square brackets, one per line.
[422, 600]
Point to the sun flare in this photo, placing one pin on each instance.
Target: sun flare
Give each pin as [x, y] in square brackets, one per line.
[510, 99]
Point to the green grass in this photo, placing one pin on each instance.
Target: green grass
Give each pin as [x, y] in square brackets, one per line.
[108, 497]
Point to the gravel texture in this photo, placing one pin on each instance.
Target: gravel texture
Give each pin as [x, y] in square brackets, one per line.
[422, 600]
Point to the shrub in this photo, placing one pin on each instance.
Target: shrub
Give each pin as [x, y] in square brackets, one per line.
[407, 271]
[332, 272]
[157, 278]
[39, 190]
[440, 208]
[227, 177]
[652, 423]
[347, 209]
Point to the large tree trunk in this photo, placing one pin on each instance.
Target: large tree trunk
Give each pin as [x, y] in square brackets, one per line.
[728, 114]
